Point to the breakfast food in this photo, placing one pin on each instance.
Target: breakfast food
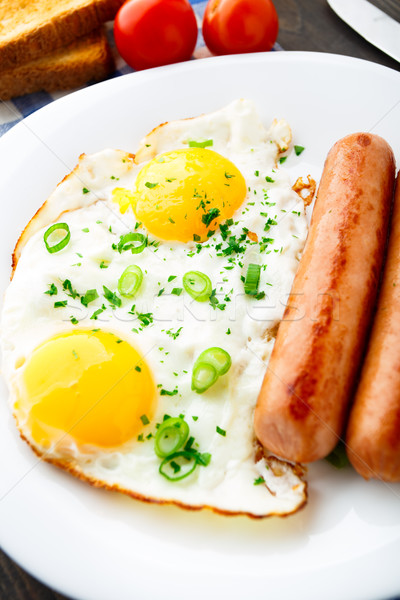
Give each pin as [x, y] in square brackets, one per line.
[34, 29]
[304, 398]
[87, 58]
[155, 284]
[373, 442]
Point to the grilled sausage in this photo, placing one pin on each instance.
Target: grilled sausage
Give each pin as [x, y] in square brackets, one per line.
[305, 394]
[373, 435]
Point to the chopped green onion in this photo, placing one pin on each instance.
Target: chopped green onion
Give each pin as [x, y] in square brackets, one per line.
[60, 304]
[221, 431]
[298, 150]
[217, 358]
[187, 464]
[203, 377]
[144, 419]
[252, 279]
[198, 285]
[171, 436]
[130, 281]
[150, 185]
[56, 247]
[194, 144]
[126, 242]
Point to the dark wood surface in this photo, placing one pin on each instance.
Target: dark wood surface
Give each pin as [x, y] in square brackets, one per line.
[308, 25]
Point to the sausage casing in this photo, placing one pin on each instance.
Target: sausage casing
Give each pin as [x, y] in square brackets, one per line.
[305, 394]
[373, 435]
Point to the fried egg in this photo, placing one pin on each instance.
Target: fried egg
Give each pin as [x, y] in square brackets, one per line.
[142, 311]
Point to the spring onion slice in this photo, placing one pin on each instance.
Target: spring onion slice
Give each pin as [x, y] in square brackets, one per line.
[171, 436]
[198, 285]
[60, 244]
[130, 281]
[252, 279]
[218, 358]
[204, 376]
[126, 242]
[178, 465]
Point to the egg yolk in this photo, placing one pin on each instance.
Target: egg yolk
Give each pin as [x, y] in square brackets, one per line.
[87, 385]
[184, 195]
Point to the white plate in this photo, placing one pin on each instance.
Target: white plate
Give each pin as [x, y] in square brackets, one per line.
[95, 545]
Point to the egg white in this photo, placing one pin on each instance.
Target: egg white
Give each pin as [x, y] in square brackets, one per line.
[181, 328]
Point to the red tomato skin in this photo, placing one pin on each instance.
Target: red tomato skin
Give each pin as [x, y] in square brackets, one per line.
[152, 33]
[240, 26]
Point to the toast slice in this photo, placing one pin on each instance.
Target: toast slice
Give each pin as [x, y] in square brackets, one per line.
[30, 29]
[88, 58]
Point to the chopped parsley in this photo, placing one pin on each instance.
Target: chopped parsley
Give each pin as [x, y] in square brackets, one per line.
[164, 392]
[177, 291]
[210, 215]
[52, 291]
[259, 481]
[89, 296]
[112, 297]
[60, 304]
[69, 290]
[98, 312]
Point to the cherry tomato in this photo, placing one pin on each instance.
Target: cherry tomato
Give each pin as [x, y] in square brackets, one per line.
[236, 26]
[151, 33]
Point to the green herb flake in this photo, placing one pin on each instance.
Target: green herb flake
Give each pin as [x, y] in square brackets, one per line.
[177, 291]
[52, 291]
[259, 481]
[103, 265]
[68, 289]
[144, 420]
[112, 297]
[164, 392]
[138, 369]
[171, 278]
[60, 304]
[282, 159]
[150, 185]
[85, 190]
[209, 216]
[205, 144]
[221, 431]
[74, 321]
[89, 296]
[85, 230]
[298, 150]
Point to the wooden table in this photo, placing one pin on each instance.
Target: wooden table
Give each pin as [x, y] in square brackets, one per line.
[304, 25]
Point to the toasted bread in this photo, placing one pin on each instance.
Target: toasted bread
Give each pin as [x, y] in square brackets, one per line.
[88, 58]
[30, 29]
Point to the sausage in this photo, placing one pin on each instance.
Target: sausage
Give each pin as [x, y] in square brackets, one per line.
[373, 434]
[306, 390]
